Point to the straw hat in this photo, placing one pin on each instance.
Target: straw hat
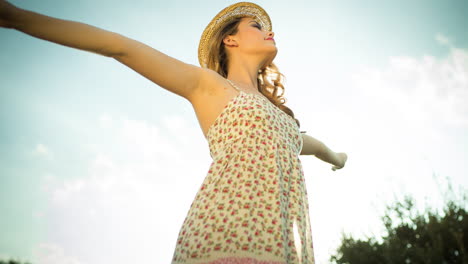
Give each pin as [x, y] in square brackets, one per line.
[226, 15]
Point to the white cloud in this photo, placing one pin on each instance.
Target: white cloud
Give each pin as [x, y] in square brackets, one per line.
[52, 254]
[442, 39]
[123, 210]
[67, 189]
[43, 151]
[427, 89]
[105, 120]
[402, 119]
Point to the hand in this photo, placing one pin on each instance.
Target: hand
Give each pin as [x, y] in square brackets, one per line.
[6, 14]
[342, 157]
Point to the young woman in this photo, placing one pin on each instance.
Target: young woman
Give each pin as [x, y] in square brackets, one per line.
[252, 206]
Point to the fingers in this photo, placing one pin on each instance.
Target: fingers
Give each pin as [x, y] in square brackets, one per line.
[334, 168]
[343, 157]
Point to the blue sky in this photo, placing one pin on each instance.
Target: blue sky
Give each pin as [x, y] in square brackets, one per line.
[99, 165]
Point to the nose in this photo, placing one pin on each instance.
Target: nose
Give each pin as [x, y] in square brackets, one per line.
[271, 34]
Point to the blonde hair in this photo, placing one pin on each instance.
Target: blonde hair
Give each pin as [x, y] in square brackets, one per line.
[270, 80]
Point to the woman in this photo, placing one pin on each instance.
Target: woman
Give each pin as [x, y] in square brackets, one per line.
[252, 206]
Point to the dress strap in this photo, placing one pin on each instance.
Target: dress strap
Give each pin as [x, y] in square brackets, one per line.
[233, 85]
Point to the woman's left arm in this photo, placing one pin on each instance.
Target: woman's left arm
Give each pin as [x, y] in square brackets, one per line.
[315, 147]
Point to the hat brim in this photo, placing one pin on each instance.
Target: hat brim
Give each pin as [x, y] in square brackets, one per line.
[242, 9]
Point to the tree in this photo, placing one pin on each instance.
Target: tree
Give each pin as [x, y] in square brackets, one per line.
[11, 261]
[412, 237]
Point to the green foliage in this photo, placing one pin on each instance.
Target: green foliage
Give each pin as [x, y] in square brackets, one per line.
[413, 237]
[11, 261]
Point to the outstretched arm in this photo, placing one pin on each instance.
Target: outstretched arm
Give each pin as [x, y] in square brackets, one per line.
[315, 147]
[169, 73]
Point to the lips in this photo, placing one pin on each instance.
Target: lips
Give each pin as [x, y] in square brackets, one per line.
[270, 39]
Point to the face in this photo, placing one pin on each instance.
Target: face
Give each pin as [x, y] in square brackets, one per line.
[253, 40]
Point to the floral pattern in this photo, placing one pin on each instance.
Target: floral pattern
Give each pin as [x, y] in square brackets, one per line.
[252, 206]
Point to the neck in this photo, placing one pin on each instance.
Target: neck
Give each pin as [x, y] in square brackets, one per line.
[244, 73]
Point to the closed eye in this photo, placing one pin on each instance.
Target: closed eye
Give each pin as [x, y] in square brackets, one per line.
[257, 25]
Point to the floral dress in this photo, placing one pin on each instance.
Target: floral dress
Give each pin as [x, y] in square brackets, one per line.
[252, 206]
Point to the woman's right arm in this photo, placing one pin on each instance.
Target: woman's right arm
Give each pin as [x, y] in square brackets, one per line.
[167, 72]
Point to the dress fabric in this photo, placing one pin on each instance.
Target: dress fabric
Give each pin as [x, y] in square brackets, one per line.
[252, 206]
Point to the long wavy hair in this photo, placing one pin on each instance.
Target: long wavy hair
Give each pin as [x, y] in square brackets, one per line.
[270, 80]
